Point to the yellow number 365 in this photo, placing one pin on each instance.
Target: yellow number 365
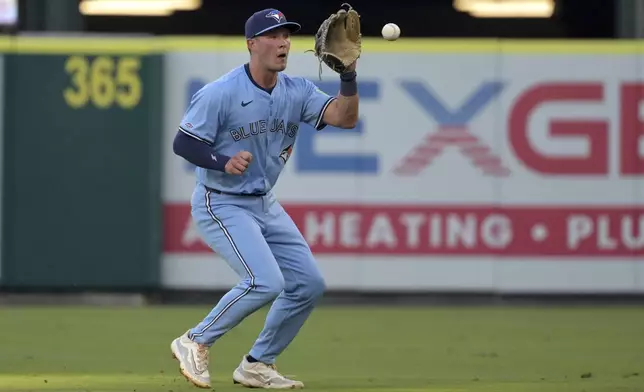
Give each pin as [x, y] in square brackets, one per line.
[103, 81]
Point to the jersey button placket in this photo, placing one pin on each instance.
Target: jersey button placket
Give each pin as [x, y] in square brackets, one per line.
[267, 158]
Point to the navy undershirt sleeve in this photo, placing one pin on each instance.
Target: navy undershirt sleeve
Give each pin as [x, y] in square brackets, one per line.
[198, 152]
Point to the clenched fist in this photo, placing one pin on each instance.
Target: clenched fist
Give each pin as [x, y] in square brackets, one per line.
[238, 164]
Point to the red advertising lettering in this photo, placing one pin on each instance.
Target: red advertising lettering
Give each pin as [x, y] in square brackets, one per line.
[632, 129]
[595, 162]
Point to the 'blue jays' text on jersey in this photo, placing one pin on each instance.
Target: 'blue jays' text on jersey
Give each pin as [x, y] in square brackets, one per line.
[233, 113]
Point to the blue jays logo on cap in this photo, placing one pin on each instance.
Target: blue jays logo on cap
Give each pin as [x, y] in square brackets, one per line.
[268, 19]
[275, 14]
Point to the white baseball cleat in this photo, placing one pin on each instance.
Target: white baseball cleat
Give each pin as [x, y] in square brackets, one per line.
[260, 375]
[193, 360]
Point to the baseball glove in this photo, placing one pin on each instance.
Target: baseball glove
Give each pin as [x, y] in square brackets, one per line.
[338, 41]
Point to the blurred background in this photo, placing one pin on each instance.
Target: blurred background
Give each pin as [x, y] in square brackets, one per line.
[560, 19]
[498, 159]
[502, 178]
[495, 195]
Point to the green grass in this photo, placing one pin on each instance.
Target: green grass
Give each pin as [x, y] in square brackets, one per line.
[73, 349]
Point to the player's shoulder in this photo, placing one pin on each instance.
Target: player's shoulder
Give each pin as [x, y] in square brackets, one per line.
[296, 82]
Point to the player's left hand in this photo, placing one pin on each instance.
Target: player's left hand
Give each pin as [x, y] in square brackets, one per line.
[238, 164]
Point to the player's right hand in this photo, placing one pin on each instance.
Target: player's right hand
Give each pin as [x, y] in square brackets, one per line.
[238, 164]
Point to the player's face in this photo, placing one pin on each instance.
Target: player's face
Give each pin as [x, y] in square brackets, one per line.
[272, 49]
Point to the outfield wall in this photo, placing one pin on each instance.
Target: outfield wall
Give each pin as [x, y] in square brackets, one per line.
[487, 166]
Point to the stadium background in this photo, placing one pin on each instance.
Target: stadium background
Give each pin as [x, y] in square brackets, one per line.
[498, 160]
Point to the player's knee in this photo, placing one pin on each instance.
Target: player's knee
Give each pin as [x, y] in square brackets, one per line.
[271, 286]
[314, 287]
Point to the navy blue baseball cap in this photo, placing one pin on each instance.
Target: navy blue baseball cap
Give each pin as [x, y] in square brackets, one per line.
[266, 20]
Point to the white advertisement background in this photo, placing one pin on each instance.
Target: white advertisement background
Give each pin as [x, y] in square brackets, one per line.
[395, 124]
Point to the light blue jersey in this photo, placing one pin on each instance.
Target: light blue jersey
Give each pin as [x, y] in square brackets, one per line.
[233, 113]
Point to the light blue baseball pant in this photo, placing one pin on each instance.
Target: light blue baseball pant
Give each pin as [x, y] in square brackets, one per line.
[262, 244]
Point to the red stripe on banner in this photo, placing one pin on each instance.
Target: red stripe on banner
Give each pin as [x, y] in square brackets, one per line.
[598, 231]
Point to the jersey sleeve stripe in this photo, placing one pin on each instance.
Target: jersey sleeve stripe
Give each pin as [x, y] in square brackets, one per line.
[320, 123]
[192, 135]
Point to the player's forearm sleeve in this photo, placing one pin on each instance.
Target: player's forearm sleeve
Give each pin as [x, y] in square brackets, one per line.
[198, 153]
[348, 84]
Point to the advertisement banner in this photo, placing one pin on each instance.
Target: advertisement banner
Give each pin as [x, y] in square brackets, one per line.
[468, 171]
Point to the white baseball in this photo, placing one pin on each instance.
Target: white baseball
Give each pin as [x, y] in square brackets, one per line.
[390, 31]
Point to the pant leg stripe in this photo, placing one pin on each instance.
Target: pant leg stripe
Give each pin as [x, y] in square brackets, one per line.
[230, 240]
[241, 258]
[218, 316]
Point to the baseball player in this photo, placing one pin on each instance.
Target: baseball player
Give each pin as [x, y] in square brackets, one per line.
[239, 131]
